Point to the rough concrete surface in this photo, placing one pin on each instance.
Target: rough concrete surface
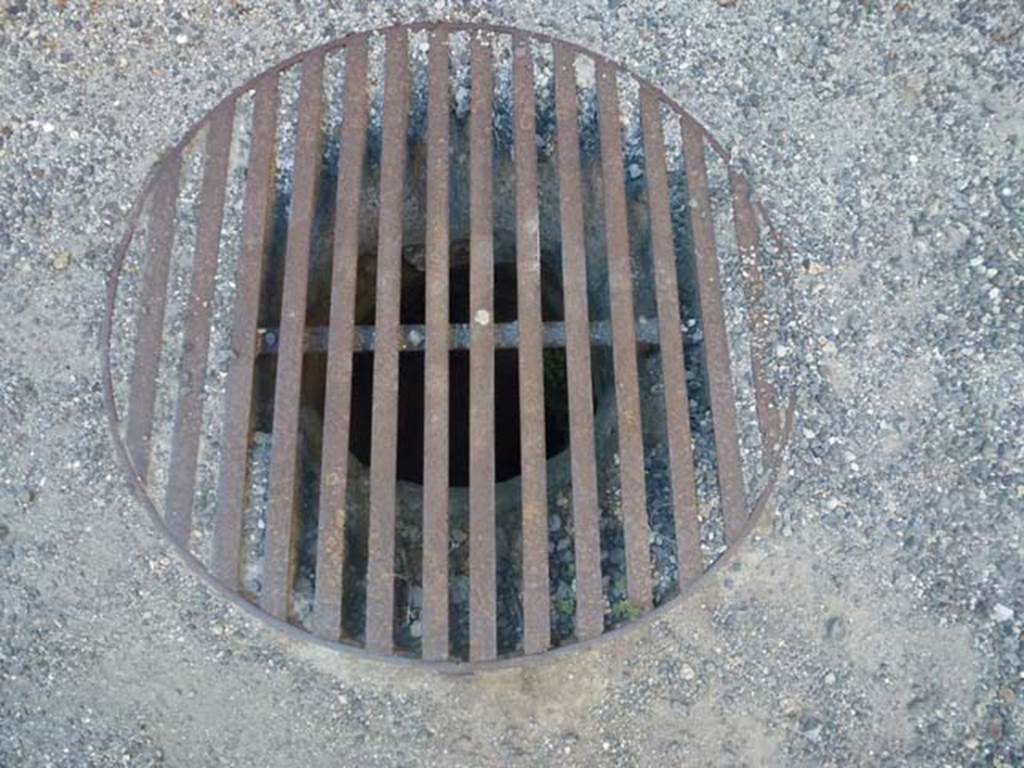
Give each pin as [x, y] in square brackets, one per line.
[875, 620]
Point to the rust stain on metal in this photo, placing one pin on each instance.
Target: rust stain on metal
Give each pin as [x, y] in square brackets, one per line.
[192, 373]
[227, 528]
[435, 412]
[551, 231]
[149, 325]
[330, 559]
[380, 578]
[677, 414]
[279, 567]
[716, 355]
[589, 609]
[536, 609]
[411, 336]
[482, 566]
[747, 238]
[627, 389]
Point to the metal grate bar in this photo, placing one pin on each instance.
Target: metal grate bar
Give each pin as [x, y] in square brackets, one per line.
[380, 580]
[188, 415]
[747, 238]
[279, 561]
[716, 342]
[435, 426]
[435, 416]
[571, 142]
[482, 564]
[412, 336]
[589, 598]
[673, 366]
[536, 596]
[330, 548]
[152, 302]
[636, 532]
[231, 493]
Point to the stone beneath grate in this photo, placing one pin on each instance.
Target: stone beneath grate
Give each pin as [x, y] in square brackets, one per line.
[448, 341]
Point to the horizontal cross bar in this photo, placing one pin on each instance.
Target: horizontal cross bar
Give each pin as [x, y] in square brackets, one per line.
[412, 337]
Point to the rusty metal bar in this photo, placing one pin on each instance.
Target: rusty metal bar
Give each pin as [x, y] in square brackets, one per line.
[279, 560]
[636, 532]
[330, 544]
[435, 414]
[673, 365]
[483, 637]
[716, 341]
[411, 337]
[626, 337]
[380, 579]
[747, 237]
[533, 469]
[231, 492]
[589, 598]
[152, 307]
[188, 415]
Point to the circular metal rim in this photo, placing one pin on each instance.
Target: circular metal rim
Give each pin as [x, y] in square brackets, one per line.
[351, 649]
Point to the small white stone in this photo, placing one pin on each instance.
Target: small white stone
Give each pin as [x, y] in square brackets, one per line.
[1001, 613]
[482, 317]
[181, 39]
[687, 672]
[49, 127]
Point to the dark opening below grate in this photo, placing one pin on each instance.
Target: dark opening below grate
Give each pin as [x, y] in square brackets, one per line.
[447, 341]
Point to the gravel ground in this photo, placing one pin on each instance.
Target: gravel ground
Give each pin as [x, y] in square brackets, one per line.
[875, 619]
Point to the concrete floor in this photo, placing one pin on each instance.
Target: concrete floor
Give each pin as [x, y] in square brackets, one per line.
[876, 619]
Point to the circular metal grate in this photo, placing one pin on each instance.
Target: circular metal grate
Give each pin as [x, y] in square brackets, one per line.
[448, 342]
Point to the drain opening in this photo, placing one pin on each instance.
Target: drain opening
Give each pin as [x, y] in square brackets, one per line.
[506, 376]
[583, 466]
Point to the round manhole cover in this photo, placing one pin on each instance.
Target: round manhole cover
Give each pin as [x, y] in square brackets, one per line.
[447, 342]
